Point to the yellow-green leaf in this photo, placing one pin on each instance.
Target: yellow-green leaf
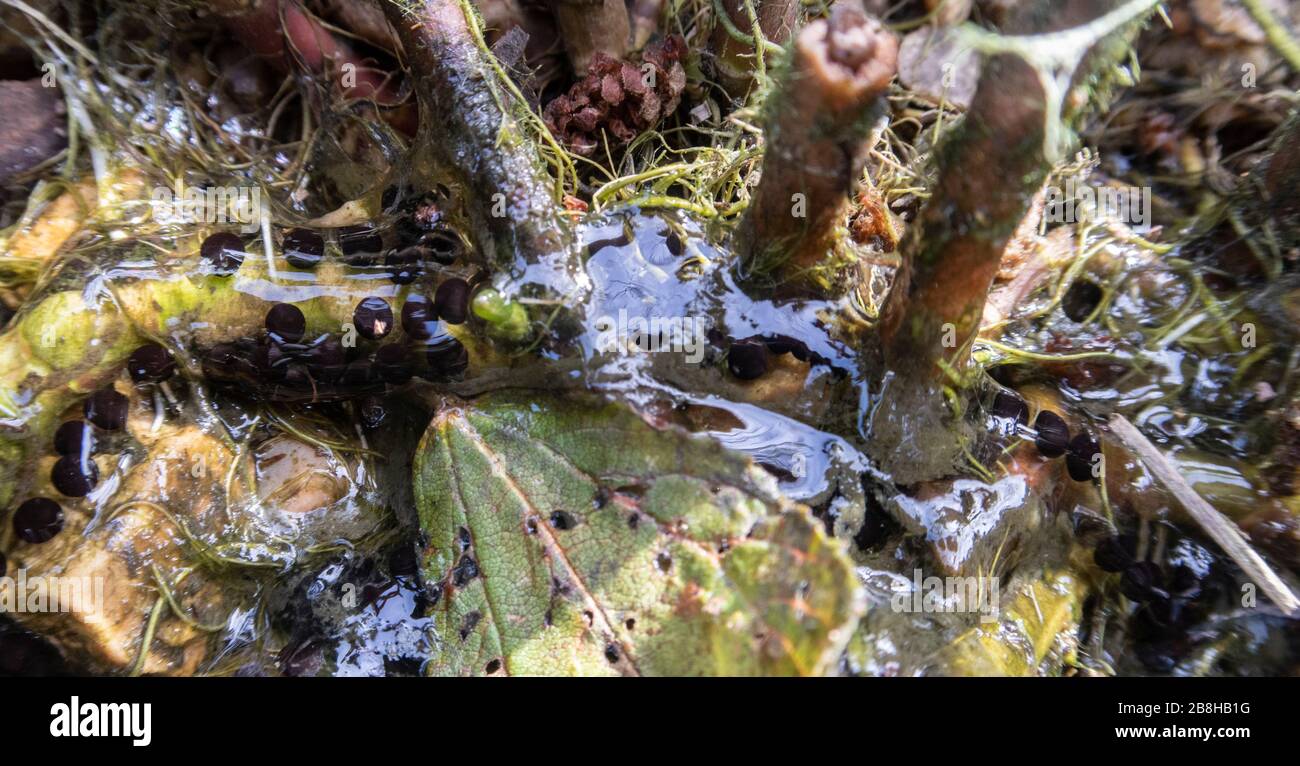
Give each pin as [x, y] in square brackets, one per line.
[568, 536]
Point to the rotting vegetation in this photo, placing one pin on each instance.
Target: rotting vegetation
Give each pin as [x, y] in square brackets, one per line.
[323, 435]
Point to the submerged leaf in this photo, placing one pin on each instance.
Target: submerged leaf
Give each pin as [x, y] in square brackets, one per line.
[568, 536]
[1035, 636]
[1029, 628]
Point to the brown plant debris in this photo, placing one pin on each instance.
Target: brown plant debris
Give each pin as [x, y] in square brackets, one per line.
[31, 127]
[872, 224]
[620, 98]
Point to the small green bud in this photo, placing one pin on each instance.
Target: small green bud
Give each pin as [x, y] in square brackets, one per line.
[507, 318]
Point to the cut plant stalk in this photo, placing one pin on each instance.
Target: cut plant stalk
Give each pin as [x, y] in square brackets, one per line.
[816, 120]
[1033, 90]
[989, 171]
[592, 26]
[738, 52]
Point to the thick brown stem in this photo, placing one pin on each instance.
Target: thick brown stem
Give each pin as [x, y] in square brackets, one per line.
[815, 123]
[468, 121]
[989, 172]
[990, 169]
[734, 58]
[591, 26]
[645, 21]
[1280, 185]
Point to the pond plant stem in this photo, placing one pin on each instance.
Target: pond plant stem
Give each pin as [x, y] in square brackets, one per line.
[816, 121]
[742, 42]
[591, 26]
[480, 126]
[1034, 88]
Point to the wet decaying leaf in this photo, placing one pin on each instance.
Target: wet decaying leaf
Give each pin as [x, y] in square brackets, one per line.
[567, 536]
[1033, 637]
[1026, 626]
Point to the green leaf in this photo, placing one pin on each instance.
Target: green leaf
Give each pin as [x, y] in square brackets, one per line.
[570, 537]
